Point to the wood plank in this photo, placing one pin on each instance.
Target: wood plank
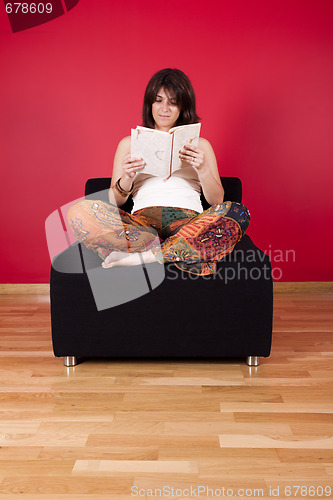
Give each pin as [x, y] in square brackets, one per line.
[305, 455]
[103, 467]
[99, 453]
[46, 468]
[38, 485]
[205, 441]
[291, 407]
[273, 441]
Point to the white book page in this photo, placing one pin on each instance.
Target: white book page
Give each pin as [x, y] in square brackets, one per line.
[154, 147]
[182, 135]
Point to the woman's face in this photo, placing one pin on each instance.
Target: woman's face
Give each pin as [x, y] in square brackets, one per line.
[165, 111]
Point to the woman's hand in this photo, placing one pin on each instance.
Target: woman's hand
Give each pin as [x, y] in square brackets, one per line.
[131, 165]
[194, 156]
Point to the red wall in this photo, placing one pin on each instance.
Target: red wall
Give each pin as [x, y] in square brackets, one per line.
[263, 75]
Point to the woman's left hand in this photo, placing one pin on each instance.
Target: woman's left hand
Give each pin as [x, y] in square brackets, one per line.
[193, 155]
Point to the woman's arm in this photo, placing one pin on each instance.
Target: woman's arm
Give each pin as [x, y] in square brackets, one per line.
[125, 168]
[203, 159]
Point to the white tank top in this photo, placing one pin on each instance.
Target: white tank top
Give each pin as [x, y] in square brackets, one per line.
[181, 190]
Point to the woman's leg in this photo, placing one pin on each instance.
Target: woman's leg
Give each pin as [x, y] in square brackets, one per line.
[105, 228]
[207, 238]
[196, 244]
[160, 218]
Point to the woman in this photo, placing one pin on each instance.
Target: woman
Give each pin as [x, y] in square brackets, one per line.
[167, 223]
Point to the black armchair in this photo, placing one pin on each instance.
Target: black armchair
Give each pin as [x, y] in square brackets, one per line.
[228, 314]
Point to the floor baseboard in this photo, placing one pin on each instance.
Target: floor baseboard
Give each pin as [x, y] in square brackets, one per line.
[303, 287]
[24, 289]
[278, 287]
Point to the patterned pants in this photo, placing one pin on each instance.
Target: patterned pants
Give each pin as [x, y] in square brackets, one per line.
[194, 241]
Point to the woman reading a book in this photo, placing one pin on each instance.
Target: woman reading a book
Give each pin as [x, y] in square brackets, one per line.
[167, 222]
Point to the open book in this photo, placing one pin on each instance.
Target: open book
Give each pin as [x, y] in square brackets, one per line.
[160, 150]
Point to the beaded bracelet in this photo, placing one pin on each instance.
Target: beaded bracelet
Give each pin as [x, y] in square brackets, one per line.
[121, 191]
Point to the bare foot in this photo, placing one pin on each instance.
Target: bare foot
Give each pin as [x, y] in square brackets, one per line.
[128, 259]
[115, 256]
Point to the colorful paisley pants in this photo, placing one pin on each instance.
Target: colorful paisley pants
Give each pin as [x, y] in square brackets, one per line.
[194, 241]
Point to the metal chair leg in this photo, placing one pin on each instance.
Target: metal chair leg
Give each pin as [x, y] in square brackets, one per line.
[253, 360]
[70, 360]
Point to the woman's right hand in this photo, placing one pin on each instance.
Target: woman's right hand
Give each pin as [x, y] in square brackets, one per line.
[132, 165]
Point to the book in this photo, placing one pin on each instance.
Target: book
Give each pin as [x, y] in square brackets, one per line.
[160, 150]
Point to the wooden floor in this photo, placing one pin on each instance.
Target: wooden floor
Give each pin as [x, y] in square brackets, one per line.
[106, 429]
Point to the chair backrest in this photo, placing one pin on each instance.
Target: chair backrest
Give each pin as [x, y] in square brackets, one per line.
[232, 191]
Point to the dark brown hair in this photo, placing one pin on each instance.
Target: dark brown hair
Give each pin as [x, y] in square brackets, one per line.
[178, 86]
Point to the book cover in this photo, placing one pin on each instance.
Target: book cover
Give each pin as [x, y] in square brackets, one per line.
[160, 150]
